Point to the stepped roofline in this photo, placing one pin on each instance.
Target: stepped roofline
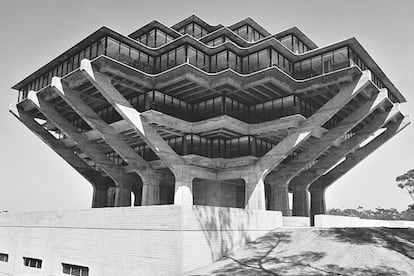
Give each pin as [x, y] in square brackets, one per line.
[270, 41]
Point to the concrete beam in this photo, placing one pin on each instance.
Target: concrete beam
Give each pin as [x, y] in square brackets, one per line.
[99, 182]
[346, 93]
[94, 151]
[106, 132]
[183, 193]
[287, 173]
[354, 158]
[337, 153]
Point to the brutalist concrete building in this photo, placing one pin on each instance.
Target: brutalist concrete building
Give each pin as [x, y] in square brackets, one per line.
[194, 115]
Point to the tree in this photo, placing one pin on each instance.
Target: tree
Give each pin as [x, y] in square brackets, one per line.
[406, 182]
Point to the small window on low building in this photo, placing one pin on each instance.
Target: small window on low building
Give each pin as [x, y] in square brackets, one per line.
[77, 270]
[4, 257]
[32, 262]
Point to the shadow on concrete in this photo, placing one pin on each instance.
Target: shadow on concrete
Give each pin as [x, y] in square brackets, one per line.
[267, 255]
[400, 240]
[218, 225]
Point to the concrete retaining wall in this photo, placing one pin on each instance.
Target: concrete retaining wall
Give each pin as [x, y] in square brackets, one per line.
[344, 221]
[149, 240]
[296, 222]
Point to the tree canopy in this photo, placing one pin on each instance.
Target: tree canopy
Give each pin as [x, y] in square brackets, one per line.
[406, 182]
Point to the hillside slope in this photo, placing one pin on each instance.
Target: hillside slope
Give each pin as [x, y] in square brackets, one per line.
[322, 251]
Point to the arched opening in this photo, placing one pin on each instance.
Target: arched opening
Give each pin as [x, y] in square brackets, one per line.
[228, 193]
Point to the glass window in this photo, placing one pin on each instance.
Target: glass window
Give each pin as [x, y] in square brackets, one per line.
[192, 55]
[202, 63]
[171, 59]
[221, 61]
[112, 49]
[160, 38]
[242, 31]
[306, 68]
[317, 66]
[197, 31]
[295, 44]
[264, 59]
[151, 38]
[327, 62]
[232, 60]
[253, 62]
[180, 57]
[287, 41]
[250, 34]
[274, 58]
[341, 58]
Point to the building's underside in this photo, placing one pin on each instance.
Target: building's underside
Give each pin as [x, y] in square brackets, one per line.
[222, 116]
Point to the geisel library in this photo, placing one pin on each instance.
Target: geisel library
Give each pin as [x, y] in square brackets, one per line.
[194, 119]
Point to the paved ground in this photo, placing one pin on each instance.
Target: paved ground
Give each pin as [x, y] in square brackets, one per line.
[318, 251]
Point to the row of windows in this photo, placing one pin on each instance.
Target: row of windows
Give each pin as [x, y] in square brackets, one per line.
[317, 65]
[210, 108]
[249, 33]
[208, 147]
[69, 269]
[294, 44]
[194, 30]
[155, 38]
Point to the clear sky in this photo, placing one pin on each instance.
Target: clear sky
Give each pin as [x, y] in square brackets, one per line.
[33, 177]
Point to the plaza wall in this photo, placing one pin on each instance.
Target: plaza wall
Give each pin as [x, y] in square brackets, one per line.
[345, 221]
[150, 240]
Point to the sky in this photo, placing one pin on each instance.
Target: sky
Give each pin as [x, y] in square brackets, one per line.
[34, 178]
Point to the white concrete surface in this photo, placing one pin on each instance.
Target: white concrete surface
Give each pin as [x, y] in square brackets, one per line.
[148, 240]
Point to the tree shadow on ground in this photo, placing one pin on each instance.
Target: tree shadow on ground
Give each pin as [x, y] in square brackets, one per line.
[400, 240]
[265, 256]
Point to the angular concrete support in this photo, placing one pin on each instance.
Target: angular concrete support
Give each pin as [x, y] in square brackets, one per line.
[300, 201]
[104, 86]
[280, 199]
[114, 139]
[337, 153]
[183, 189]
[123, 196]
[354, 158]
[151, 190]
[317, 204]
[278, 153]
[254, 191]
[100, 193]
[94, 151]
[287, 173]
[99, 183]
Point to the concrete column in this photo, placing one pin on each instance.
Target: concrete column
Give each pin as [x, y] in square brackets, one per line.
[318, 204]
[137, 190]
[100, 192]
[280, 199]
[183, 194]
[111, 197]
[300, 202]
[123, 196]
[151, 190]
[255, 192]
[100, 197]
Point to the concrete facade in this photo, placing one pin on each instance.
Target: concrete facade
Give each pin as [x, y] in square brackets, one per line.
[148, 240]
[195, 118]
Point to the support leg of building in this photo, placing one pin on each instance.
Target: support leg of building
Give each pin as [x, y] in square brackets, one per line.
[151, 190]
[300, 202]
[280, 198]
[100, 193]
[254, 191]
[183, 189]
[123, 196]
[317, 204]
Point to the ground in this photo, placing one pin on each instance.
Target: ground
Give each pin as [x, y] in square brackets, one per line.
[322, 251]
